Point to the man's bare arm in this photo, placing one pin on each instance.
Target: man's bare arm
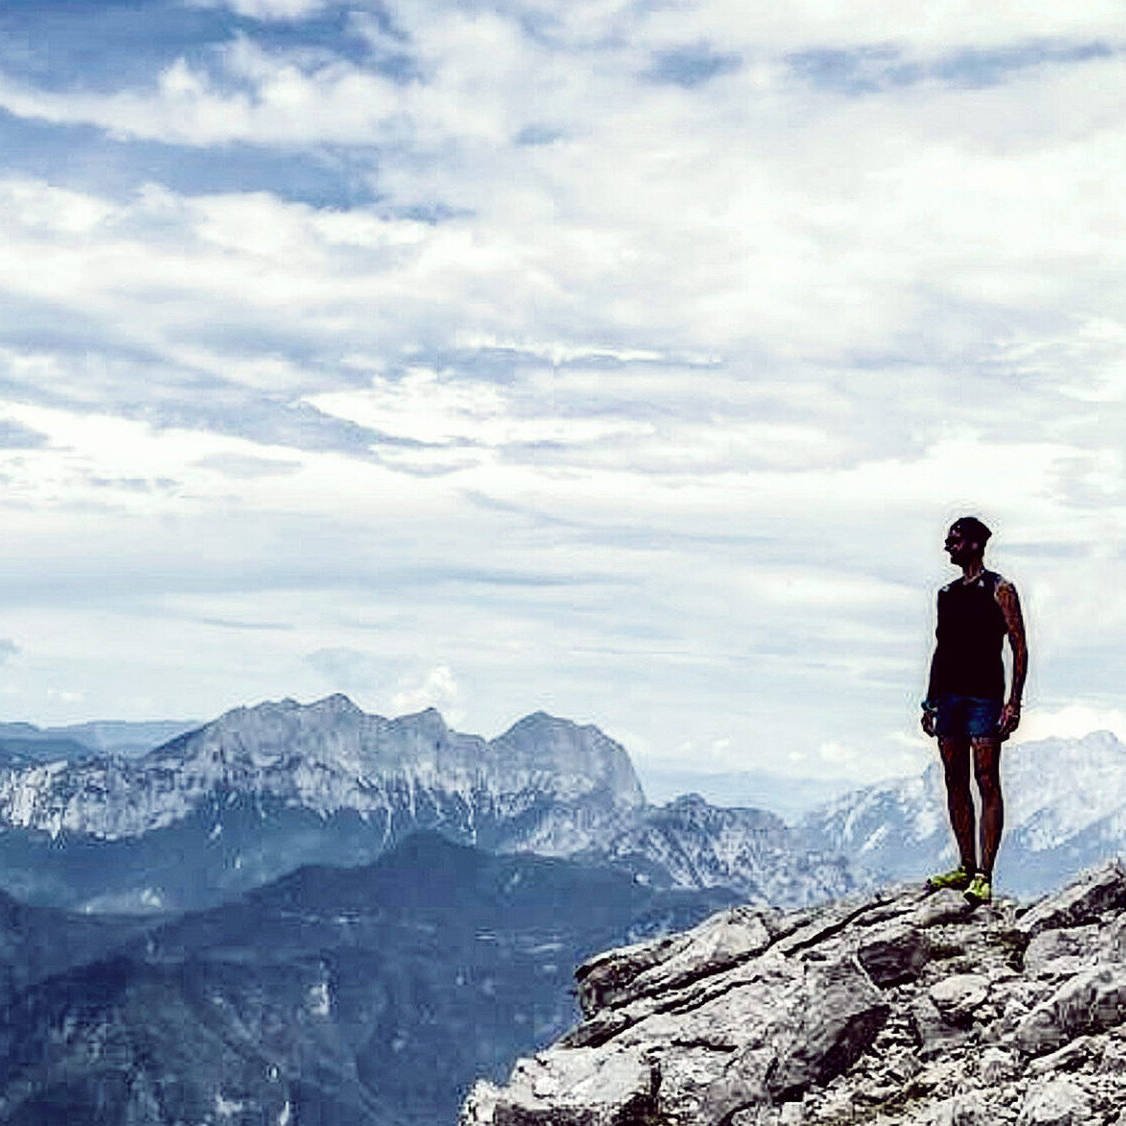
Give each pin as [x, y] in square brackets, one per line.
[1014, 622]
[931, 698]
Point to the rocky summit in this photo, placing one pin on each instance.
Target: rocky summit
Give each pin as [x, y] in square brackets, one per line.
[901, 1008]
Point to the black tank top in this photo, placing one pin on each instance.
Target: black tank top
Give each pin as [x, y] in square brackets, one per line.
[970, 630]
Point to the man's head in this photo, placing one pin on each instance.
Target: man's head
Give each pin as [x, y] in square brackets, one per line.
[966, 539]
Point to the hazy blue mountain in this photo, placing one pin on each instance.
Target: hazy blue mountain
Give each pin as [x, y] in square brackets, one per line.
[123, 737]
[789, 798]
[18, 749]
[37, 943]
[263, 790]
[24, 743]
[691, 843]
[370, 996]
[1065, 810]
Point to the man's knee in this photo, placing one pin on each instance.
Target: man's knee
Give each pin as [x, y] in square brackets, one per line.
[987, 763]
[955, 763]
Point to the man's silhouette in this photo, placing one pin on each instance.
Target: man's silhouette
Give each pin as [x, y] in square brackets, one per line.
[965, 705]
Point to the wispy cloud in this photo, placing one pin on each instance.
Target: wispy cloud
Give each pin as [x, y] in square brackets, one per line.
[13, 436]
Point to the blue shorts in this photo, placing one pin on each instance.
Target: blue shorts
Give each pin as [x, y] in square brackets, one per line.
[967, 717]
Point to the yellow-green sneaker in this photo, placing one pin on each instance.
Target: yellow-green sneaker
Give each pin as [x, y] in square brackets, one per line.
[979, 890]
[957, 878]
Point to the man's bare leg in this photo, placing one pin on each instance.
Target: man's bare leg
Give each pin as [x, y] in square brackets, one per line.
[987, 772]
[955, 754]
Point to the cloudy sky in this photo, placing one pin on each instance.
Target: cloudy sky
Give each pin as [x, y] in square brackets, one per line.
[621, 358]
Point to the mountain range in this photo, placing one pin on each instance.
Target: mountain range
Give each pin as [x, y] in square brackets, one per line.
[263, 790]
[260, 791]
[25, 743]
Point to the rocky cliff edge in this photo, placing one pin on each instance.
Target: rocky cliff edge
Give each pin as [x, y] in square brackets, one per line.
[903, 1008]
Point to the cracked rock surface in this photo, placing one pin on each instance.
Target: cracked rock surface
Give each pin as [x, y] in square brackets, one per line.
[904, 1008]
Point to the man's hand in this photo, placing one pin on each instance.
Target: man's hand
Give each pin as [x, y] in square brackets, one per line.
[1010, 718]
[928, 722]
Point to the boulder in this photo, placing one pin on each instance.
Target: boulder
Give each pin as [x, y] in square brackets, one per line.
[1095, 893]
[956, 997]
[1055, 1102]
[894, 952]
[1090, 1001]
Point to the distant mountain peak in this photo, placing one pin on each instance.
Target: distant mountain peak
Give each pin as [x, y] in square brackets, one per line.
[337, 702]
[1065, 809]
[430, 721]
[691, 800]
[539, 720]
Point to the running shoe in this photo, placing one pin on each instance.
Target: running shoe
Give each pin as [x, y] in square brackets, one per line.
[957, 878]
[979, 890]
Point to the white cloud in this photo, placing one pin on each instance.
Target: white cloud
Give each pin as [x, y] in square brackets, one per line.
[1071, 722]
[437, 688]
[939, 29]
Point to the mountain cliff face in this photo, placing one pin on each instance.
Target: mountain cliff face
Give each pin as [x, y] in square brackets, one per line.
[1065, 809]
[328, 757]
[897, 1009]
[689, 843]
[264, 790]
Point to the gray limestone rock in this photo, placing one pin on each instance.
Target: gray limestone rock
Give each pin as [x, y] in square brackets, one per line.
[942, 907]
[845, 1014]
[961, 1110]
[1061, 952]
[621, 976]
[997, 1066]
[1112, 946]
[1074, 1054]
[933, 1033]
[956, 997]
[578, 1088]
[1094, 893]
[1055, 1102]
[1090, 1001]
[905, 1010]
[893, 953]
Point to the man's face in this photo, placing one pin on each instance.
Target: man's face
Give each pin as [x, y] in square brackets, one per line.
[958, 547]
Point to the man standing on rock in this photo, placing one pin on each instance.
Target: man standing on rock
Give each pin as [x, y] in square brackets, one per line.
[965, 705]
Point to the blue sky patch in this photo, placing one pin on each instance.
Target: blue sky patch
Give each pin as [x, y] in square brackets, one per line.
[106, 45]
[867, 70]
[991, 68]
[538, 135]
[83, 158]
[14, 436]
[691, 66]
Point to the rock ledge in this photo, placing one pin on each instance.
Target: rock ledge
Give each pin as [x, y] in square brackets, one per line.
[903, 1008]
